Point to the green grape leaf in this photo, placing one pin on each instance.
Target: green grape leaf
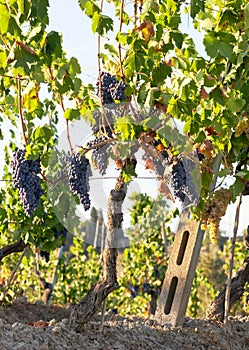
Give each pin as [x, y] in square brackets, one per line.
[21, 6]
[196, 6]
[74, 67]
[128, 173]
[235, 104]
[211, 43]
[72, 114]
[40, 10]
[101, 24]
[53, 44]
[111, 49]
[125, 127]
[243, 174]
[4, 18]
[91, 9]
[42, 133]
[82, 4]
[247, 17]
[23, 61]
[237, 188]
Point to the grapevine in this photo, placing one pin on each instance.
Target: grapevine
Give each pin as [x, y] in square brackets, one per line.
[27, 182]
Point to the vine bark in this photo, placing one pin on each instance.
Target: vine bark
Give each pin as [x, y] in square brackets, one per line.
[92, 301]
[216, 310]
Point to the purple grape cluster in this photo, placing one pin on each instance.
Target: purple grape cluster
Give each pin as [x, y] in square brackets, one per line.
[27, 182]
[111, 89]
[178, 180]
[78, 168]
[99, 154]
[118, 91]
[98, 126]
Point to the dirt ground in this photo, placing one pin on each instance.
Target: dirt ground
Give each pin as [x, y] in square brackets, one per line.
[25, 326]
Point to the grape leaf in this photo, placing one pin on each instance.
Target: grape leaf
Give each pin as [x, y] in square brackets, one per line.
[101, 24]
[72, 114]
[4, 19]
[247, 17]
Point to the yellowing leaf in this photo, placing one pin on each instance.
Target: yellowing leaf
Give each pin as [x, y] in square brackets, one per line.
[147, 30]
[30, 97]
[243, 125]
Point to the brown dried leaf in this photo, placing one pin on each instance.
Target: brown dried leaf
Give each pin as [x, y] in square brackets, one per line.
[147, 29]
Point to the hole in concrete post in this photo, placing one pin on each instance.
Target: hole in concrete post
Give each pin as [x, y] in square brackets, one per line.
[171, 295]
[183, 246]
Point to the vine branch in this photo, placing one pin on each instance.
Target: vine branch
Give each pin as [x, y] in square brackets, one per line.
[12, 276]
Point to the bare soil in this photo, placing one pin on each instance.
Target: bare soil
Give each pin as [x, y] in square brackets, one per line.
[25, 326]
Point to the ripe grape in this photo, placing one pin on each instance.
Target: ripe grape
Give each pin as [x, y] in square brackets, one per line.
[27, 182]
[78, 169]
[110, 89]
[214, 209]
[177, 170]
[118, 91]
[178, 180]
[99, 154]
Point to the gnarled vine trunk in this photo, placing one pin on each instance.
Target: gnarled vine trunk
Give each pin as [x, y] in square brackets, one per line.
[216, 310]
[92, 301]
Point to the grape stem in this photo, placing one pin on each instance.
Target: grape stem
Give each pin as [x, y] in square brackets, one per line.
[46, 179]
[19, 87]
[98, 145]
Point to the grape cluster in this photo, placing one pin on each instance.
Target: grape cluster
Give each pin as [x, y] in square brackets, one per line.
[99, 154]
[178, 180]
[78, 169]
[214, 210]
[27, 182]
[111, 89]
[118, 91]
[180, 172]
[98, 126]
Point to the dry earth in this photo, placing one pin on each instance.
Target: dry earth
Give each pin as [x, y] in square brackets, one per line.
[20, 330]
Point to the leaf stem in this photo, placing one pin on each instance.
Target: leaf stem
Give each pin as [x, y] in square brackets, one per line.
[13, 274]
